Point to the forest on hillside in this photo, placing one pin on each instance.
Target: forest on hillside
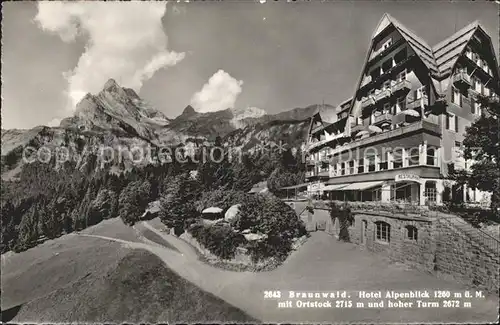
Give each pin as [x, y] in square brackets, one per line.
[47, 202]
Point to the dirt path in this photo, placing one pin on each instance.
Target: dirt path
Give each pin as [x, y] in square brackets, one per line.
[322, 264]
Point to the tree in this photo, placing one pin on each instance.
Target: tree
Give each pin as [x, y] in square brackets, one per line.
[482, 145]
[177, 205]
[133, 201]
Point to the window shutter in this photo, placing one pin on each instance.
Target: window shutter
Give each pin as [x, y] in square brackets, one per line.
[473, 106]
[447, 121]
[456, 123]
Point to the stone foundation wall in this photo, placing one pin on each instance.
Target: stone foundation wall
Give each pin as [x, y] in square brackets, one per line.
[440, 248]
[465, 259]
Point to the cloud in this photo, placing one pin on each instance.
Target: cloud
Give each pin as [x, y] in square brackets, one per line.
[219, 93]
[126, 41]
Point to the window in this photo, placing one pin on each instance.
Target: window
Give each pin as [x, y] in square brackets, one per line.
[386, 44]
[419, 93]
[371, 163]
[477, 108]
[383, 165]
[468, 53]
[400, 56]
[477, 85]
[375, 73]
[398, 158]
[387, 65]
[387, 108]
[431, 157]
[401, 76]
[361, 166]
[413, 157]
[359, 120]
[342, 168]
[333, 169]
[411, 233]
[400, 104]
[351, 167]
[452, 122]
[386, 85]
[383, 232]
[456, 97]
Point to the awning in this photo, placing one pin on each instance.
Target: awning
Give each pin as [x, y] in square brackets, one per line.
[361, 186]
[374, 129]
[410, 112]
[295, 186]
[361, 133]
[335, 187]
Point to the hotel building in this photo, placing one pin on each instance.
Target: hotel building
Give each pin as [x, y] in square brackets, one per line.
[401, 132]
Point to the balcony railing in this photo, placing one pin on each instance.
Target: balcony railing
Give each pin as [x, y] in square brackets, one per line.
[310, 174]
[316, 129]
[384, 94]
[462, 79]
[356, 128]
[404, 85]
[417, 104]
[382, 118]
[426, 125]
[313, 145]
[324, 173]
[367, 102]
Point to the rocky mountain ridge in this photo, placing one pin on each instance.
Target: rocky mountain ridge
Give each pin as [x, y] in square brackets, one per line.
[117, 116]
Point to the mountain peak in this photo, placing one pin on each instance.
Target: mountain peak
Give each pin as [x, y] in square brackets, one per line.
[189, 110]
[111, 84]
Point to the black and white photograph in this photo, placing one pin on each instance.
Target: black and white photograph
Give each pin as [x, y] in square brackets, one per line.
[250, 162]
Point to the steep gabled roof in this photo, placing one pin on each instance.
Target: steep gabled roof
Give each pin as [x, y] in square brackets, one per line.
[421, 48]
[439, 59]
[449, 50]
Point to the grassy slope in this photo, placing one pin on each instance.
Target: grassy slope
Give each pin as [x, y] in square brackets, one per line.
[83, 279]
[139, 289]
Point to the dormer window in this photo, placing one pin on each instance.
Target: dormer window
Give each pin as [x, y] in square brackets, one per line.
[387, 44]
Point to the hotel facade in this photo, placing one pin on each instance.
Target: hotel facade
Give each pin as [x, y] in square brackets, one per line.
[400, 133]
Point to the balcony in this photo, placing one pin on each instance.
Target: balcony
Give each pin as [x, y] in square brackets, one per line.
[316, 128]
[401, 86]
[384, 94]
[367, 102]
[380, 53]
[462, 79]
[313, 145]
[356, 128]
[324, 174]
[427, 126]
[417, 104]
[385, 117]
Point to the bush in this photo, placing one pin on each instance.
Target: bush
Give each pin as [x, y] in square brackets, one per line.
[219, 239]
[343, 213]
[271, 216]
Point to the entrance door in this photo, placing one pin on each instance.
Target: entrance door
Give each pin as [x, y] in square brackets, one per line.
[364, 226]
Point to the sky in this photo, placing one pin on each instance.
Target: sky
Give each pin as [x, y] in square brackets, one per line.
[274, 56]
